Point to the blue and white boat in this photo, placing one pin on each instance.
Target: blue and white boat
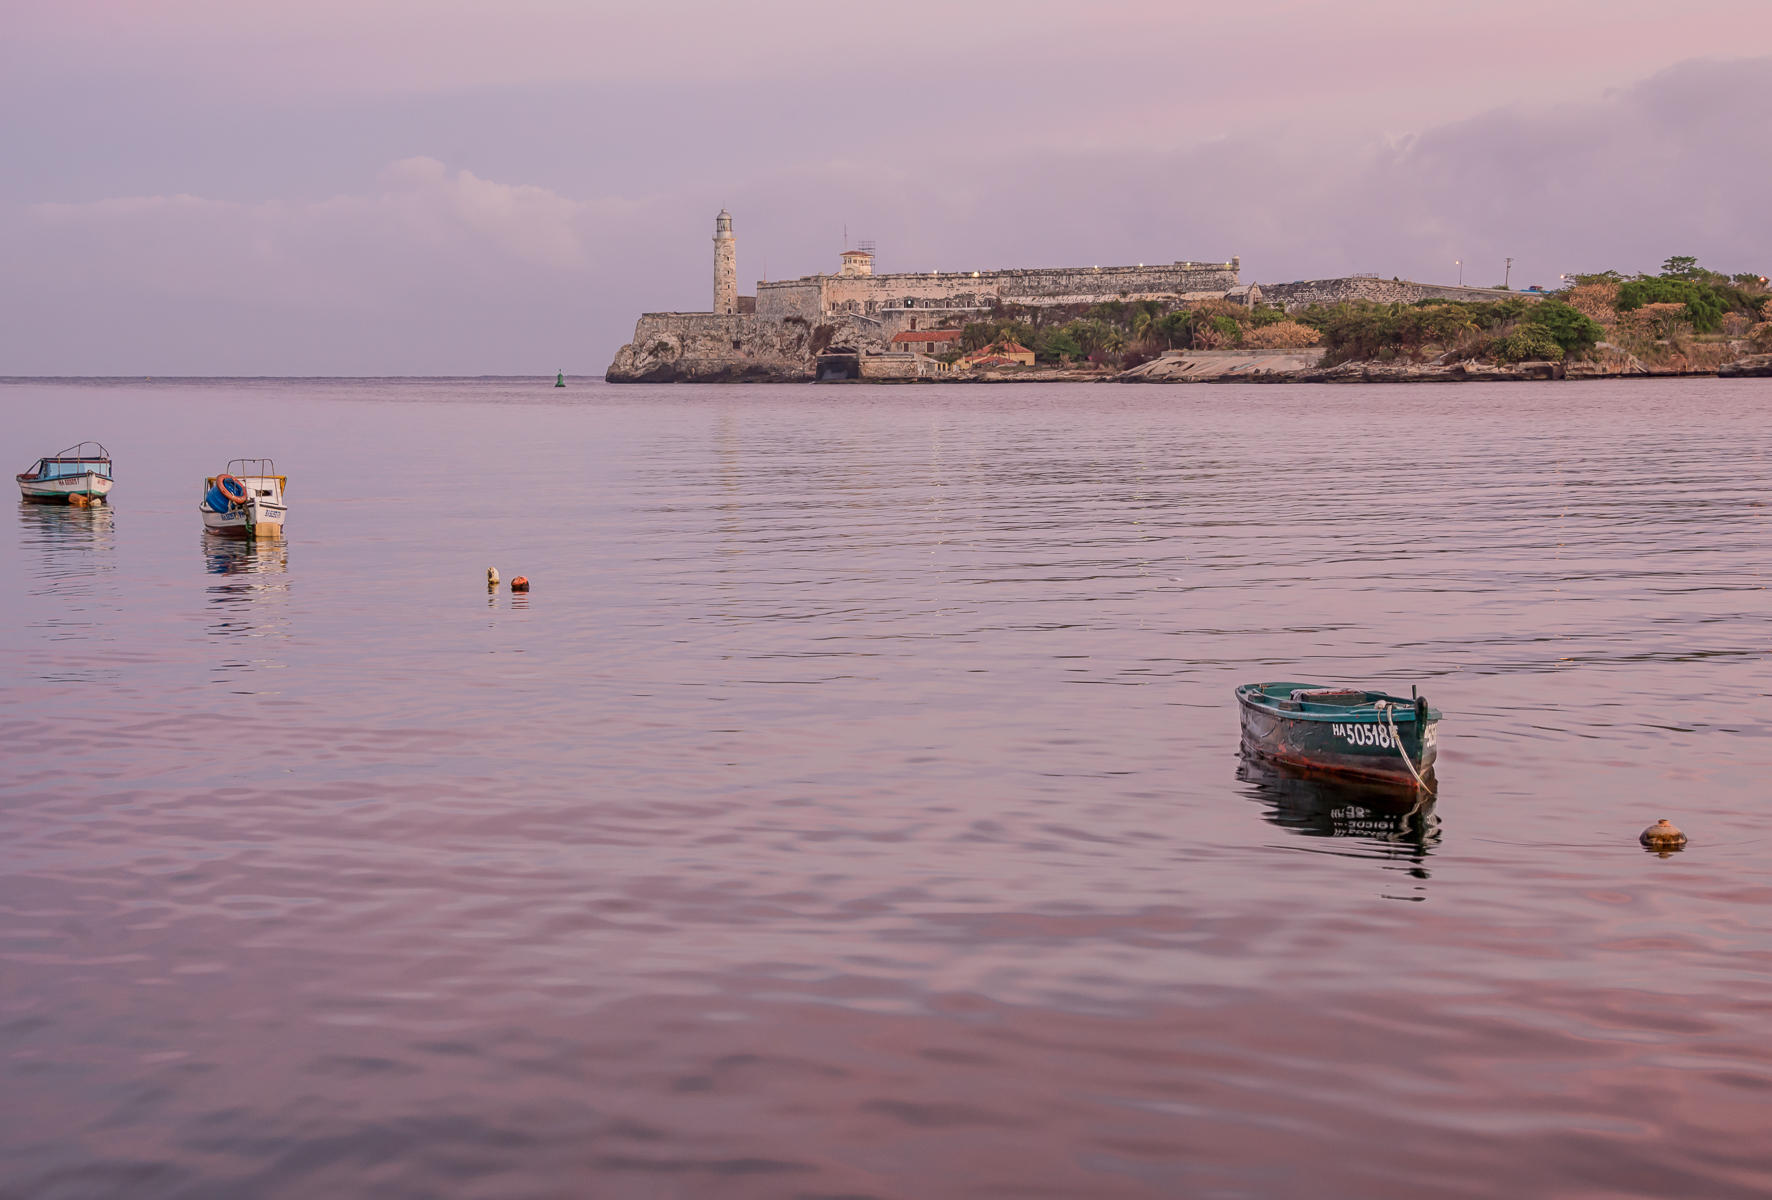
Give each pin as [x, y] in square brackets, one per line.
[82, 471]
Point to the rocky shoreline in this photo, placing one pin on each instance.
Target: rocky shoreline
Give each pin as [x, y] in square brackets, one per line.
[1223, 366]
[1238, 367]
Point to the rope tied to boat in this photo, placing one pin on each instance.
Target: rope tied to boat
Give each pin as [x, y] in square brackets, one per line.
[1385, 707]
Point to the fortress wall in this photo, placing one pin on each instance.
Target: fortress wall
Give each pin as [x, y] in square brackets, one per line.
[790, 298]
[890, 366]
[1058, 285]
[1304, 293]
[1065, 285]
[871, 294]
[898, 320]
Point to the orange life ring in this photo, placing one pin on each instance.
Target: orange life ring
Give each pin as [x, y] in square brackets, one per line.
[236, 493]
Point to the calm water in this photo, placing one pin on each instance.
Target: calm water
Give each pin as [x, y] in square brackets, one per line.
[853, 808]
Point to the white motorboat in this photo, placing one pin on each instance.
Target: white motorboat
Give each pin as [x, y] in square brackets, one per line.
[245, 501]
[78, 475]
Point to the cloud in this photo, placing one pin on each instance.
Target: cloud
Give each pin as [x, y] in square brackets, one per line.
[188, 241]
[434, 269]
[531, 223]
[1299, 51]
[189, 283]
[1678, 163]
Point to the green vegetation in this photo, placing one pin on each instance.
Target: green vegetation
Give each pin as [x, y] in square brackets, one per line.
[1654, 317]
[1502, 331]
[1687, 317]
[1569, 331]
[1704, 308]
[1124, 333]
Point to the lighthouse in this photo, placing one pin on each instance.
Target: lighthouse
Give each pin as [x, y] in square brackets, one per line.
[725, 266]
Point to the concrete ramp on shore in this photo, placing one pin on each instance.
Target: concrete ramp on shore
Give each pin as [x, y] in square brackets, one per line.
[1222, 366]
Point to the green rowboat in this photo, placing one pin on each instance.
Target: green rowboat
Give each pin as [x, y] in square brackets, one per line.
[1341, 732]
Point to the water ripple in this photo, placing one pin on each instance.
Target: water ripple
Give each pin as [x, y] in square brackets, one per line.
[853, 808]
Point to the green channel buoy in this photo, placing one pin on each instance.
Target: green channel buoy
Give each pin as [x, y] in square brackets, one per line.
[560, 379]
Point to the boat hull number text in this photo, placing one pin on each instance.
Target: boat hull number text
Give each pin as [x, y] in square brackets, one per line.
[1363, 735]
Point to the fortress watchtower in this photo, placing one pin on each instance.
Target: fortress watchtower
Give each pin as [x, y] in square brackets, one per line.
[725, 265]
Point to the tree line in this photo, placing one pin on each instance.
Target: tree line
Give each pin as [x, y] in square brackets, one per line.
[1644, 314]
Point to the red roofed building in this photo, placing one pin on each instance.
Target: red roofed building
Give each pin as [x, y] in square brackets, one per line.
[927, 341]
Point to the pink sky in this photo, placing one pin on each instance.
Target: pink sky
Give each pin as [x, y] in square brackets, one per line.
[206, 186]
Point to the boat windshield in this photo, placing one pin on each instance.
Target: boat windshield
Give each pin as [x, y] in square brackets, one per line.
[62, 468]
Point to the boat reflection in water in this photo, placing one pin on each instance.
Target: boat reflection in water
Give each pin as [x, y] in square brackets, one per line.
[1397, 825]
[53, 527]
[246, 603]
[229, 556]
[76, 571]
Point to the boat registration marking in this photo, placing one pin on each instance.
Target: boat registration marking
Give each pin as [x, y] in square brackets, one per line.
[1363, 735]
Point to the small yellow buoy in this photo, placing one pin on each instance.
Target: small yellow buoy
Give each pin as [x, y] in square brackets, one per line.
[519, 583]
[77, 500]
[491, 577]
[1662, 836]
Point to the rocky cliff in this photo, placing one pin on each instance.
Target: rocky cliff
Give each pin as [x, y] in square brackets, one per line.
[735, 348]
[710, 348]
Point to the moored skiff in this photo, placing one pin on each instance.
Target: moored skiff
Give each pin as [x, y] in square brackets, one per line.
[1341, 732]
[83, 471]
[245, 501]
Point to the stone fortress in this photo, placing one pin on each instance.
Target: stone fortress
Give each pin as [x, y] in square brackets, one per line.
[781, 332]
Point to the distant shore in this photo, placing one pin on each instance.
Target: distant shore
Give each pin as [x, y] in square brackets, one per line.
[1687, 321]
[1269, 366]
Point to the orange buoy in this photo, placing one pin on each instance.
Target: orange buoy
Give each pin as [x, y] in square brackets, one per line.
[1663, 836]
[519, 583]
[233, 489]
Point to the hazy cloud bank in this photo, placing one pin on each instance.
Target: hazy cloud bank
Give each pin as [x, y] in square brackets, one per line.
[428, 265]
[434, 269]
